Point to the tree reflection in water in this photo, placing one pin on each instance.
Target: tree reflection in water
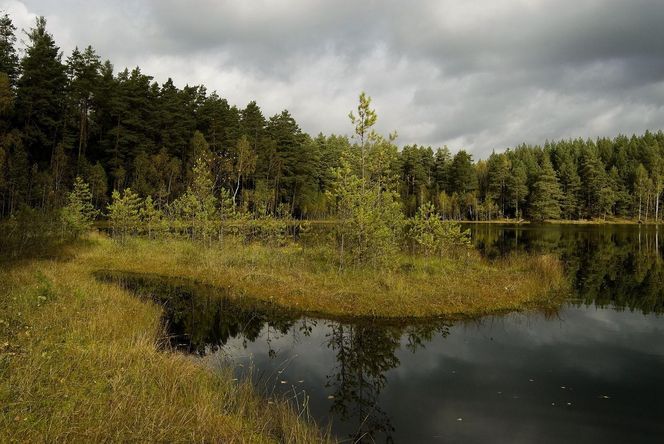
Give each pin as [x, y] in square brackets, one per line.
[364, 353]
[622, 268]
[199, 320]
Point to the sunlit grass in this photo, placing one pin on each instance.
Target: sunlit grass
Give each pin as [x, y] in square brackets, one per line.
[80, 359]
[308, 278]
[79, 362]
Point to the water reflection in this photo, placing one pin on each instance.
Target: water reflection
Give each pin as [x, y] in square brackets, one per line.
[199, 318]
[588, 373]
[609, 266]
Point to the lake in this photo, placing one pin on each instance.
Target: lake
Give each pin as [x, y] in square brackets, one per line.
[592, 371]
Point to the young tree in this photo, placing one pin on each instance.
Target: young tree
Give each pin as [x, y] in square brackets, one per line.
[369, 209]
[151, 218]
[197, 207]
[435, 236]
[124, 213]
[364, 121]
[79, 213]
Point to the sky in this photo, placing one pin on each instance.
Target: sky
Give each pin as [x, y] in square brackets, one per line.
[477, 75]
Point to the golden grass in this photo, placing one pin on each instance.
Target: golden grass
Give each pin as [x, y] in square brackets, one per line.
[79, 363]
[79, 358]
[309, 280]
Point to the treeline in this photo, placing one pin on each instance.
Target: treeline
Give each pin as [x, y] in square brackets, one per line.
[75, 117]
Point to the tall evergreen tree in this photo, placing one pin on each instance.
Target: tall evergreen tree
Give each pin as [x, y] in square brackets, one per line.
[9, 63]
[545, 195]
[41, 93]
[83, 70]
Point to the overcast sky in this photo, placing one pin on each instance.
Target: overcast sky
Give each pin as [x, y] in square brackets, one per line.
[479, 75]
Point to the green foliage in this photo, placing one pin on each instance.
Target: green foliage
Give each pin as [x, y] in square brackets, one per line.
[41, 92]
[151, 218]
[124, 213]
[545, 200]
[9, 63]
[196, 209]
[79, 213]
[29, 232]
[370, 219]
[434, 236]
[120, 129]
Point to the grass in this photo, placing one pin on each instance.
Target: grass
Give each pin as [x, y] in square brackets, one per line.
[308, 278]
[80, 359]
[79, 363]
[608, 221]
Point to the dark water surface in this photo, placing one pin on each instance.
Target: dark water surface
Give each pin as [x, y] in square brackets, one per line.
[591, 372]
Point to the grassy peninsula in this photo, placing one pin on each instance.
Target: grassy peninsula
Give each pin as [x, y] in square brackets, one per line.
[79, 359]
[307, 278]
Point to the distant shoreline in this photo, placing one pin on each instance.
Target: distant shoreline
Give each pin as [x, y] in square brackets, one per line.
[563, 222]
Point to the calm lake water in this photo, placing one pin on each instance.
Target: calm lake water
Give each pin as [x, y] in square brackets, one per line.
[591, 372]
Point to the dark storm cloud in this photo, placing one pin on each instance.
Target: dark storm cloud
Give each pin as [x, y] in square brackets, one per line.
[479, 75]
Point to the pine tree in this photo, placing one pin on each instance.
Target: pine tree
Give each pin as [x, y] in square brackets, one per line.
[83, 69]
[9, 63]
[124, 213]
[79, 213]
[570, 184]
[498, 175]
[518, 187]
[41, 93]
[593, 178]
[545, 195]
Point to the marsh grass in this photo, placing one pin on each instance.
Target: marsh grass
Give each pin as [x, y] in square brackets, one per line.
[309, 279]
[79, 362]
[83, 360]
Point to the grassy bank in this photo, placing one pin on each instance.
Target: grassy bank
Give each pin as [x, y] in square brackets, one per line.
[607, 221]
[79, 358]
[79, 363]
[308, 278]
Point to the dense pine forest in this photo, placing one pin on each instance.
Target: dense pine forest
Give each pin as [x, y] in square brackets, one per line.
[63, 118]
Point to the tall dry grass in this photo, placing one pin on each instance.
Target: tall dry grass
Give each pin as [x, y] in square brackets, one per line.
[309, 278]
[79, 363]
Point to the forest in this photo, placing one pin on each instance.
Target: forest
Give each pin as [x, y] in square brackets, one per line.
[121, 133]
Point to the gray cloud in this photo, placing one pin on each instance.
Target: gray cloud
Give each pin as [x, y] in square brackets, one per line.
[475, 75]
